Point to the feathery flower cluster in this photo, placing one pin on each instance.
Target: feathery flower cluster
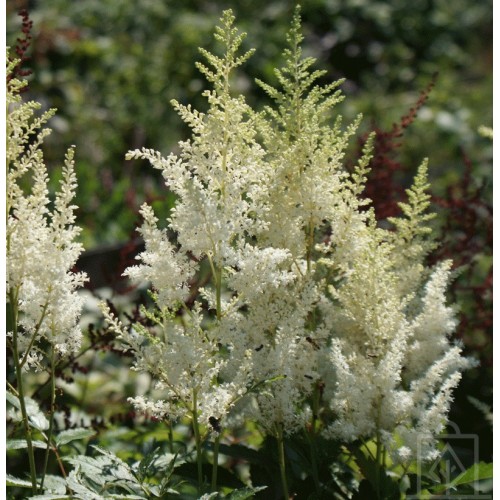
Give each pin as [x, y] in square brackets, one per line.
[41, 246]
[309, 300]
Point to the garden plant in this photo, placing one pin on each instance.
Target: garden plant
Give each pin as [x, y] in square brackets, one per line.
[294, 343]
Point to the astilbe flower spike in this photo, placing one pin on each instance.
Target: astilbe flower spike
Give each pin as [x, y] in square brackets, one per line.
[307, 293]
[41, 241]
[215, 178]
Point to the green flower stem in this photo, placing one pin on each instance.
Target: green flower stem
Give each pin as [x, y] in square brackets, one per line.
[218, 292]
[215, 463]
[311, 435]
[377, 465]
[311, 438]
[281, 458]
[20, 390]
[310, 244]
[197, 437]
[52, 411]
[35, 333]
[378, 455]
[170, 437]
[217, 276]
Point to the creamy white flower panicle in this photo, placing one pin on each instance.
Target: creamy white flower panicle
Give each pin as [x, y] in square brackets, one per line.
[168, 270]
[41, 241]
[217, 178]
[304, 150]
[183, 361]
[431, 327]
[394, 365]
[222, 182]
[259, 270]
[309, 300]
[383, 311]
[219, 173]
[276, 331]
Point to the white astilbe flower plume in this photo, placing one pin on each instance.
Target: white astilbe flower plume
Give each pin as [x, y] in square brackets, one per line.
[41, 241]
[183, 361]
[394, 365]
[217, 178]
[168, 271]
[433, 324]
[311, 310]
[283, 348]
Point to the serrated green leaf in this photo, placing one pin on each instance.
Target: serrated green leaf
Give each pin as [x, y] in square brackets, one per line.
[15, 481]
[87, 466]
[50, 497]
[104, 469]
[101, 470]
[148, 463]
[54, 484]
[477, 472]
[80, 490]
[36, 416]
[13, 400]
[39, 421]
[244, 493]
[69, 435]
[18, 444]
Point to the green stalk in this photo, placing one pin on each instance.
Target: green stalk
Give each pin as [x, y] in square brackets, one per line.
[35, 333]
[215, 463]
[218, 291]
[378, 456]
[52, 411]
[310, 244]
[377, 464]
[20, 390]
[281, 458]
[197, 438]
[312, 437]
[170, 437]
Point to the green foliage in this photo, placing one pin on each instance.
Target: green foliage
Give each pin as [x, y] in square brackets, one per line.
[413, 229]
[36, 416]
[107, 475]
[65, 437]
[477, 472]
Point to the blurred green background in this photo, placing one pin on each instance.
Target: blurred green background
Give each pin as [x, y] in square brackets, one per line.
[111, 68]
